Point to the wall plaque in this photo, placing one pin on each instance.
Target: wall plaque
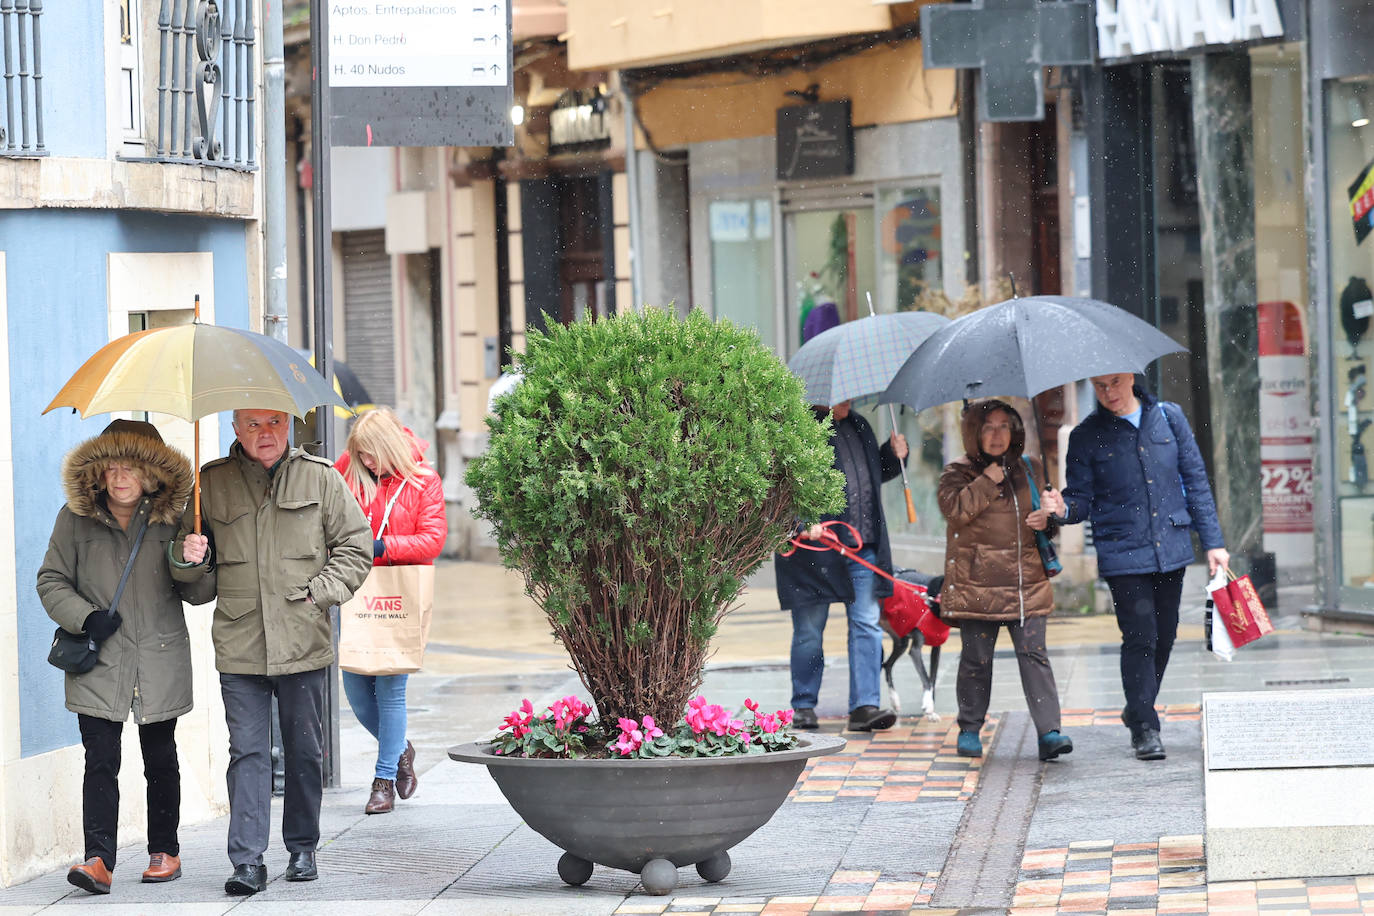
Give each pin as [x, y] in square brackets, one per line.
[815, 141]
[1289, 729]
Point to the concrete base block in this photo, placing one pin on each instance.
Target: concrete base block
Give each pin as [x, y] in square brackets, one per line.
[1253, 854]
[1294, 823]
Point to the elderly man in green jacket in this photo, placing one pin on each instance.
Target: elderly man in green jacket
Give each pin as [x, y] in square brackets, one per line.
[289, 541]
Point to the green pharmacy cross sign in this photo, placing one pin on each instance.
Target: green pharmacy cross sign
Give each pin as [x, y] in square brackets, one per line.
[1009, 42]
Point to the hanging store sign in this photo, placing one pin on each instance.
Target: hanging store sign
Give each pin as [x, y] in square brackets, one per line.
[418, 72]
[418, 44]
[1128, 28]
[815, 141]
[578, 121]
[1009, 43]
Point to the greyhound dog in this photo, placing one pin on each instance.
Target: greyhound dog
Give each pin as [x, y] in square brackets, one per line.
[910, 642]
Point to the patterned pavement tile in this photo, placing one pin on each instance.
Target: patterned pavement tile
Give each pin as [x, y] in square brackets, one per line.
[910, 762]
[1169, 878]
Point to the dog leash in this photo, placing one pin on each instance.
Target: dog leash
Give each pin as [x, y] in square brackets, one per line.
[831, 541]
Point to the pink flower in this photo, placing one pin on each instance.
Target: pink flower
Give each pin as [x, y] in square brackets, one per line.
[633, 734]
[519, 720]
[751, 705]
[567, 710]
[785, 716]
[707, 717]
[767, 724]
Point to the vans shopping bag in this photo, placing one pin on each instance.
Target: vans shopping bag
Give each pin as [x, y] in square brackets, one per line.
[383, 628]
[1238, 606]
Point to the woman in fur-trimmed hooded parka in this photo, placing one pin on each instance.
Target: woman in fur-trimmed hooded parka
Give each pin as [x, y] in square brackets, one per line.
[116, 483]
[994, 576]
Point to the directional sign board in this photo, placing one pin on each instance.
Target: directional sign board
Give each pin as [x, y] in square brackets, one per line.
[419, 72]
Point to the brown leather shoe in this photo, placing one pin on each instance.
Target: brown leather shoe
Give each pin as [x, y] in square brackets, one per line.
[406, 782]
[91, 876]
[162, 867]
[383, 797]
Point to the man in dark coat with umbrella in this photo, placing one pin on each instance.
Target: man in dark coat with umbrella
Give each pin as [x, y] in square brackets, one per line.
[810, 581]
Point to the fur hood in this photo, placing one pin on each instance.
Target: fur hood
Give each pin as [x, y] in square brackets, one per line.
[973, 424]
[167, 467]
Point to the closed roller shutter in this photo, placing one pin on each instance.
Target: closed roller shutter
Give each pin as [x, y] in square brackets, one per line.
[368, 319]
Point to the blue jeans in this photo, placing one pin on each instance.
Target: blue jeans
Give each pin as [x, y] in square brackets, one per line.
[865, 643]
[379, 702]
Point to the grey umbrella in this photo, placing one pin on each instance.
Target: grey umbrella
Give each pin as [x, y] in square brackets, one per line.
[1022, 347]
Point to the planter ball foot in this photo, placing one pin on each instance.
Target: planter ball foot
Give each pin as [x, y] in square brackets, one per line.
[659, 876]
[715, 868]
[574, 870]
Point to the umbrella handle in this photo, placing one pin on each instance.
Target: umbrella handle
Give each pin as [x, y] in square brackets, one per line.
[197, 473]
[906, 484]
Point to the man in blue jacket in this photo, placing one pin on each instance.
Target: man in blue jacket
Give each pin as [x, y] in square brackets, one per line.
[1133, 468]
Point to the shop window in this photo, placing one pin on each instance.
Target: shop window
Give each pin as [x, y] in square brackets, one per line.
[885, 244]
[1350, 164]
[1281, 253]
[742, 282]
[909, 247]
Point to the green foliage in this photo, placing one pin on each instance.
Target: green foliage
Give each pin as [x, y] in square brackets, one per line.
[644, 466]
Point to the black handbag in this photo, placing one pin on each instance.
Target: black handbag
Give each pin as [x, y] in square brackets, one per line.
[1049, 557]
[77, 654]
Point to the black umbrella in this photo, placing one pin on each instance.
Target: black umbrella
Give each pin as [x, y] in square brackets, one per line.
[346, 382]
[1022, 347]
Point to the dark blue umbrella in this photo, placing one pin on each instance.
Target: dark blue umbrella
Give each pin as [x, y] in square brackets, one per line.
[1022, 347]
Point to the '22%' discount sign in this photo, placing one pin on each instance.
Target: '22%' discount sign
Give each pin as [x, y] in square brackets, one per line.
[381, 43]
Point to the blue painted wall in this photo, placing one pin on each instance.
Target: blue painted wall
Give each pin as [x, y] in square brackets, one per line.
[74, 78]
[58, 316]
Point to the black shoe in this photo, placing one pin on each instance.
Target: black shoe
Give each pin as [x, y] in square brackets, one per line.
[805, 718]
[246, 880]
[871, 719]
[301, 867]
[1148, 746]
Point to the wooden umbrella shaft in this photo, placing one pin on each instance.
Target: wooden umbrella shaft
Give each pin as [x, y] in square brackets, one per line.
[196, 470]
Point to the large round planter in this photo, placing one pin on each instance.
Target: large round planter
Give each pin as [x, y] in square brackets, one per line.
[635, 814]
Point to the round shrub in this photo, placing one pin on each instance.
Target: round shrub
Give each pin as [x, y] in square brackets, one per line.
[644, 467]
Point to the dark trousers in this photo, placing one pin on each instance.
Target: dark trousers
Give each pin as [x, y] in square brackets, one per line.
[248, 713]
[100, 786]
[973, 689]
[1147, 613]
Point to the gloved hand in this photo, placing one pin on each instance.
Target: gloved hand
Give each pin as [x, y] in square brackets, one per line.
[378, 548]
[101, 625]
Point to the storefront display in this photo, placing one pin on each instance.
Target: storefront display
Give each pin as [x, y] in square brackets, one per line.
[1350, 153]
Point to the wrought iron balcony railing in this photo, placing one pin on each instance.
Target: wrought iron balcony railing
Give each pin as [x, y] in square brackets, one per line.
[21, 133]
[206, 101]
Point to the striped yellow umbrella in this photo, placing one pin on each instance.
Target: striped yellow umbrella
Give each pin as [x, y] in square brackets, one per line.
[194, 370]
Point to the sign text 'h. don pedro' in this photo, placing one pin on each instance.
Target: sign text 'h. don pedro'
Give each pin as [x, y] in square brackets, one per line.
[1126, 28]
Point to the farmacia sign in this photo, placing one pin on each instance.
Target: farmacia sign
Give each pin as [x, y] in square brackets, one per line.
[1127, 28]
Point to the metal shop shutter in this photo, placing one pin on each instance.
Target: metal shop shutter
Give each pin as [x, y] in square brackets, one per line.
[369, 322]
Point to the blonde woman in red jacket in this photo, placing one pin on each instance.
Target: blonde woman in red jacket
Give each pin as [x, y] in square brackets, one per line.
[383, 464]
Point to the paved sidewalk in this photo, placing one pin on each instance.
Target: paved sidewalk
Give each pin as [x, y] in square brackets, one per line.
[897, 823]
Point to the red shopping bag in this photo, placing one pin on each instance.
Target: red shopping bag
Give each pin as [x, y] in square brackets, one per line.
[908, 609]
[1239, 607]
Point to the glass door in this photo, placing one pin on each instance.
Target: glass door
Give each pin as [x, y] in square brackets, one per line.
[838, 252]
